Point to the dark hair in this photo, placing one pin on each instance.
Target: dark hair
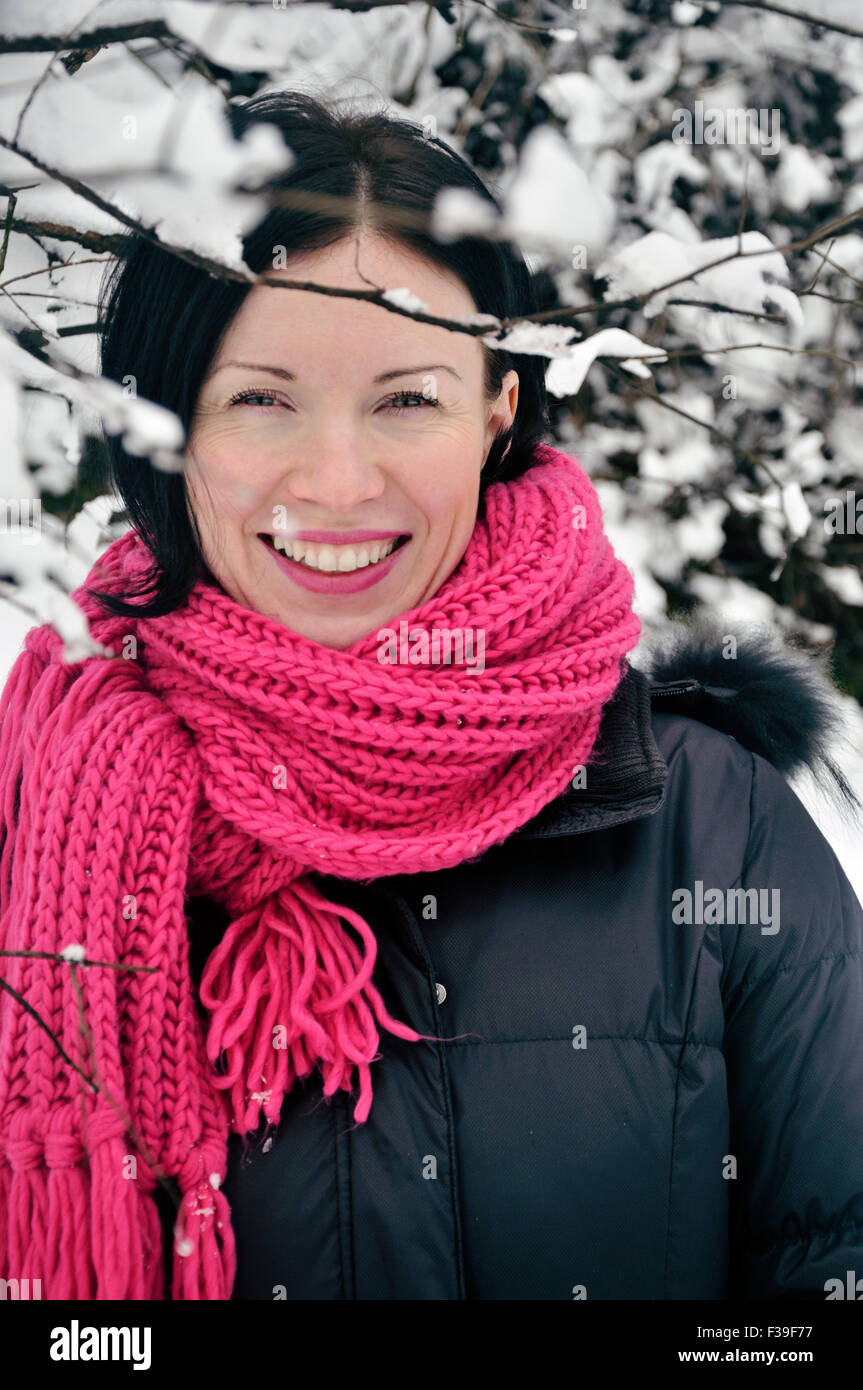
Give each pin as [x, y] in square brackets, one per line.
[163, 318]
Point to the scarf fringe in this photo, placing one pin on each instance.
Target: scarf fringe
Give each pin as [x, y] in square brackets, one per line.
[204, 1260]
[25, 1254]
[67, 1248]
[125, 1227]
[62, 1225]
[83, 1229]
[287, 988]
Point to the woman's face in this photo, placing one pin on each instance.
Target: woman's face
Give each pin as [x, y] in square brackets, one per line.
[341, 430]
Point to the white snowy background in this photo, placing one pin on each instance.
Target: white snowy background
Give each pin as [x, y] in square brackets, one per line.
[713, 458]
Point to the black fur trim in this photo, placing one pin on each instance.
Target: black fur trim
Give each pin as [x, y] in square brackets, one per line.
[775, 700]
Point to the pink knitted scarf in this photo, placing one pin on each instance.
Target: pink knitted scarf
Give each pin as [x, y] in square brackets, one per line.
[213, 751]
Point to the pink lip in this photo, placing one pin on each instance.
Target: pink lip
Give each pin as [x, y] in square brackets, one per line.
[334, 583]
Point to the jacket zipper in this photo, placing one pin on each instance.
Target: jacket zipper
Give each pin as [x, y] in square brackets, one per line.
[690, 686]
[685, 687]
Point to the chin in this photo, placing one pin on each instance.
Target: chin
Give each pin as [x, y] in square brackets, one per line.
[333, 633]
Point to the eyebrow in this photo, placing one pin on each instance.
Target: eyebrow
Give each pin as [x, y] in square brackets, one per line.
[384, 376]
[411, 371]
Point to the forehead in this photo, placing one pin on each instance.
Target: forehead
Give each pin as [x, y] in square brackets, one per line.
[289, 321]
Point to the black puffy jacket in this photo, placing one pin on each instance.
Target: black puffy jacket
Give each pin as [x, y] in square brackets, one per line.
[641, 1094]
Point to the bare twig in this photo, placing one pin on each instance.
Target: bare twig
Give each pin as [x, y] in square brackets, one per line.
[85, 1032]
[772, 8]
[93, 38]
[718, 308]
[93, 1080]
[474, 102]
[833, 298]
[106, 964]
[822, 261]
[517, 23]
[59, 231]
[847, 273]
[27, 316]
[28, 1008]
[47, 269]
[154, 72]
[8, 223]
[674, 354]
[64, 300]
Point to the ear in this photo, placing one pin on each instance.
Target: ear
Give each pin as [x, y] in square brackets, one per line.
[501, 411]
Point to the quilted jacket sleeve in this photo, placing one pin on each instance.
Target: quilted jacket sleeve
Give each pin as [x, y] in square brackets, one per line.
[793, 1046]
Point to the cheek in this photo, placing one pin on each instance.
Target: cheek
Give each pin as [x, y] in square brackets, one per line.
[446, 495]
[227, 474]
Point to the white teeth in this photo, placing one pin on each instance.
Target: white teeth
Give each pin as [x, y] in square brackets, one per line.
[331, 558]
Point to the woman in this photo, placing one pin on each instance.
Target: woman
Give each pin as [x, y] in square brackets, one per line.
[456, 960]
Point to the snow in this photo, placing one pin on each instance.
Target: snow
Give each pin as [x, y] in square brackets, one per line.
[553, 202]
[543, 339]
[146, 428]
[851, 120]
[406, 299]
[658, 259]
[803, 177]
[659, 166]
[478, 320]
[845, 581]
[460, 212]
[565, 375]
[41, 16]
[189, 199]
[796, 510]
[594, 118]
[684, 13]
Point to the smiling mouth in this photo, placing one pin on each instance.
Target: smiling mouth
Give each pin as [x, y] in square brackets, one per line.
[334, 559]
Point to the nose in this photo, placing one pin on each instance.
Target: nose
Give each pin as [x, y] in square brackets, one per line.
[338, 470]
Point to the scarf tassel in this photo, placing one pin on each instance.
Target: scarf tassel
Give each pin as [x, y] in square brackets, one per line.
[125, 1227]
[25, 1254]
[287, 987]
[64, 1220]
[67, 1250]
[204, 1256]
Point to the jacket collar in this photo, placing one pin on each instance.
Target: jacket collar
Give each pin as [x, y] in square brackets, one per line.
[626, 774]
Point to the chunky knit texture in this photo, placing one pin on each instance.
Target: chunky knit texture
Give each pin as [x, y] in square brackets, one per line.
[214, 751]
